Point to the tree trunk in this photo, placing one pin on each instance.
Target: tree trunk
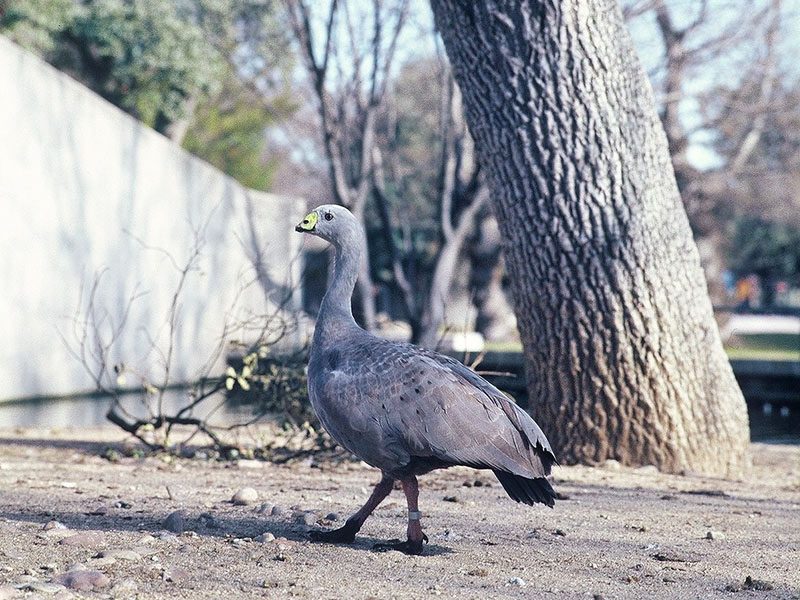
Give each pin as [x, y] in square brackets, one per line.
[623, 356]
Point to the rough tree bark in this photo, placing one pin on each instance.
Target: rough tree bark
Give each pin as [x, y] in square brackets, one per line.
[623, 355]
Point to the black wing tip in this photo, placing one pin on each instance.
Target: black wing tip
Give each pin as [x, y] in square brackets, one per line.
[527, 491]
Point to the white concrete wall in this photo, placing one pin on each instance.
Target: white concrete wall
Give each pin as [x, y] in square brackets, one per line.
[85, 189]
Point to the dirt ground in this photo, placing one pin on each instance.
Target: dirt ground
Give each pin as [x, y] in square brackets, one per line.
[70, 516]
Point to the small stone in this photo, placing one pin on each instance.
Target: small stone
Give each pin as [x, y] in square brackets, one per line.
[245, 496]
[670, 555]
[756, 584]
[102, 561]
[451, 499]
[122, 504]
[175, 521]
[648, 470]
[518, 581]
[83, 581]
[248, 463]
[44, 588]
[51, 525]
[478, 573]
[265, 508]
[88, 539]
[278, 511]
[121, 554]
[560, 532]
[612, 465]
[714, 535]
[265, 538]
[305, 518]
[332, 516]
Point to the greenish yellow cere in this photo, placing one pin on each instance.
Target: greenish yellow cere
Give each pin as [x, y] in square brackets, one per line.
[309, 222]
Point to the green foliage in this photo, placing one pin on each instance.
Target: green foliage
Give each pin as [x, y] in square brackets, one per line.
[273, 385]
[228, 131]
[766, 248]
[35, 24]
[148, 57]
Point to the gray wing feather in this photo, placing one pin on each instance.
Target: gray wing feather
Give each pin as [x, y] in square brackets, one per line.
[388, 403]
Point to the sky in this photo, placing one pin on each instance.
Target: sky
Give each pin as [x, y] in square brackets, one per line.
[416, 40]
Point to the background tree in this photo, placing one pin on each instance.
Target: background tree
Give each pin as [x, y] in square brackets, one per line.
[399, 139]
[710, 63]
[163, 61]
[425, 173]
[623, 355]
[349, 70]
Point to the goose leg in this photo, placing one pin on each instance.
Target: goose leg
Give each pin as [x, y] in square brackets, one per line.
[412, 545]
[347, 533]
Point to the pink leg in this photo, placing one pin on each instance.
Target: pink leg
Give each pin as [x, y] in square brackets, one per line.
[347, 533]
[413, 545]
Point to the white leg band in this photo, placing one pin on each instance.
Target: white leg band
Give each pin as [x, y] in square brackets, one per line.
[414, 515]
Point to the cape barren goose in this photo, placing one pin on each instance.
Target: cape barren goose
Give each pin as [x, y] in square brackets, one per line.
[406, 410]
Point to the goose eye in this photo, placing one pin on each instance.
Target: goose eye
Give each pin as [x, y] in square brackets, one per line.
[329, 216]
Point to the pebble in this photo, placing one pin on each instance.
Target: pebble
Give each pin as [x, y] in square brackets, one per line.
[175, 521]
[88, 539]
[305, 518]
[83, 581]
[714, 535]
[266, 508]
[450, 536]
[265, 537]
[44, 587]
[51, 525]
[612, 465]
[756, 584]
[278, 511]
[451, 499]
[248, 463]
[245, 496]
[120, 554]
[332, 516]
[519, 581]
[670, 555]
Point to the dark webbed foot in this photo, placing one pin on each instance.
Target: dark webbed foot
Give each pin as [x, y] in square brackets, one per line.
[406, 547]
[344, 535]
